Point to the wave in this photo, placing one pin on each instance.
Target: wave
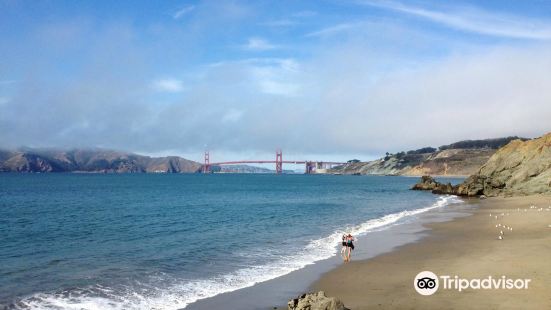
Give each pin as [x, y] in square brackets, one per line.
[179, 293]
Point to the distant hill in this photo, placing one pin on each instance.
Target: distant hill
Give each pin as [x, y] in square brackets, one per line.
[91, 160]
[462, 158]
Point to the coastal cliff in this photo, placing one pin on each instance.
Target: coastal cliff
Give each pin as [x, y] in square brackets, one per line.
[91, 160]
[457, 159]
[518, 168]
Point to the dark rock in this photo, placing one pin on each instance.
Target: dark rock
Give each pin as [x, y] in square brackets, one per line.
[427, 184]
[315, 301]
[443, 188]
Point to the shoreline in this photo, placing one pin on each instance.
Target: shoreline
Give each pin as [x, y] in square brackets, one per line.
[467, 247]
[276, 292]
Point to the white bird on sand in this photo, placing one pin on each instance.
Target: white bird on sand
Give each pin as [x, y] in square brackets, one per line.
[496, 217]
[490, 214]
[500, 237]
[501, 232]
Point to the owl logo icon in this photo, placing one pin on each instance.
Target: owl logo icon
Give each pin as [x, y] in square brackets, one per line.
[426, 283]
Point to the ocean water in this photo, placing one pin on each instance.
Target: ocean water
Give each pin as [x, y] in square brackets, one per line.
[163, 241]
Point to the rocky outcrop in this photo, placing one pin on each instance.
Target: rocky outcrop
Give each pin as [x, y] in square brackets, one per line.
[457, 159]
[428, 183]
[94, 160]
[518, 168]
[315, 301]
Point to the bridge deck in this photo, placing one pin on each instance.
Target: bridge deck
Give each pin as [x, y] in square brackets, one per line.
[298, 162]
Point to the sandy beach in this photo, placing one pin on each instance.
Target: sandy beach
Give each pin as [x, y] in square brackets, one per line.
[467, 247]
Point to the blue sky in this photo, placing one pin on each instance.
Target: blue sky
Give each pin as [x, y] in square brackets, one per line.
[320, 79]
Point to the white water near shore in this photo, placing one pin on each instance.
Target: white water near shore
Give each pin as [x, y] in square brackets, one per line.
[166, 292]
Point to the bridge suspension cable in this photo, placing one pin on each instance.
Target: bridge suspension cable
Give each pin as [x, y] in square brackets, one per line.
[310, 166]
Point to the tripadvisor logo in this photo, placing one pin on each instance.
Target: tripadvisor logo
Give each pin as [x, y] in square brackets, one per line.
[427, 283]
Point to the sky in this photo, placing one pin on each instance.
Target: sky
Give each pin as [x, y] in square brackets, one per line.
[322, 80]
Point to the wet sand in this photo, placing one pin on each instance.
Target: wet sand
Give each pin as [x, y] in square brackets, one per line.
[467, 247]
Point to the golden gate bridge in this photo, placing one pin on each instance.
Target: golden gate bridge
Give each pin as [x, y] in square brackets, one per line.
[309, 166]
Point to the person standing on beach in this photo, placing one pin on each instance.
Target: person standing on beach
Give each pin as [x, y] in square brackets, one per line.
[344, 246]
[350, 245]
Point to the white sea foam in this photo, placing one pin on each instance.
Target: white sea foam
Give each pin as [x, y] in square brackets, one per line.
[179, 294]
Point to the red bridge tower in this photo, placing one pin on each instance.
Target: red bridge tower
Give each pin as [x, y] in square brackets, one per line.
[279, 162]
[206, 165]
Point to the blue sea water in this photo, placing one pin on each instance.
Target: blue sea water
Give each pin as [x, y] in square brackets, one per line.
[163, 241]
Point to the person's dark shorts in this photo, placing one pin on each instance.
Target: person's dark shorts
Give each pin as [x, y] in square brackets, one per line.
[343, 243]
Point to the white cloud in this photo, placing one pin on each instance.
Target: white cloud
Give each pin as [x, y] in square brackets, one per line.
[259, 44]
[475, 20]
[183, 11]
[277, 76]
[324, 105]
[490, 93]
[333, 30]
[292, 20]
[168, 85]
